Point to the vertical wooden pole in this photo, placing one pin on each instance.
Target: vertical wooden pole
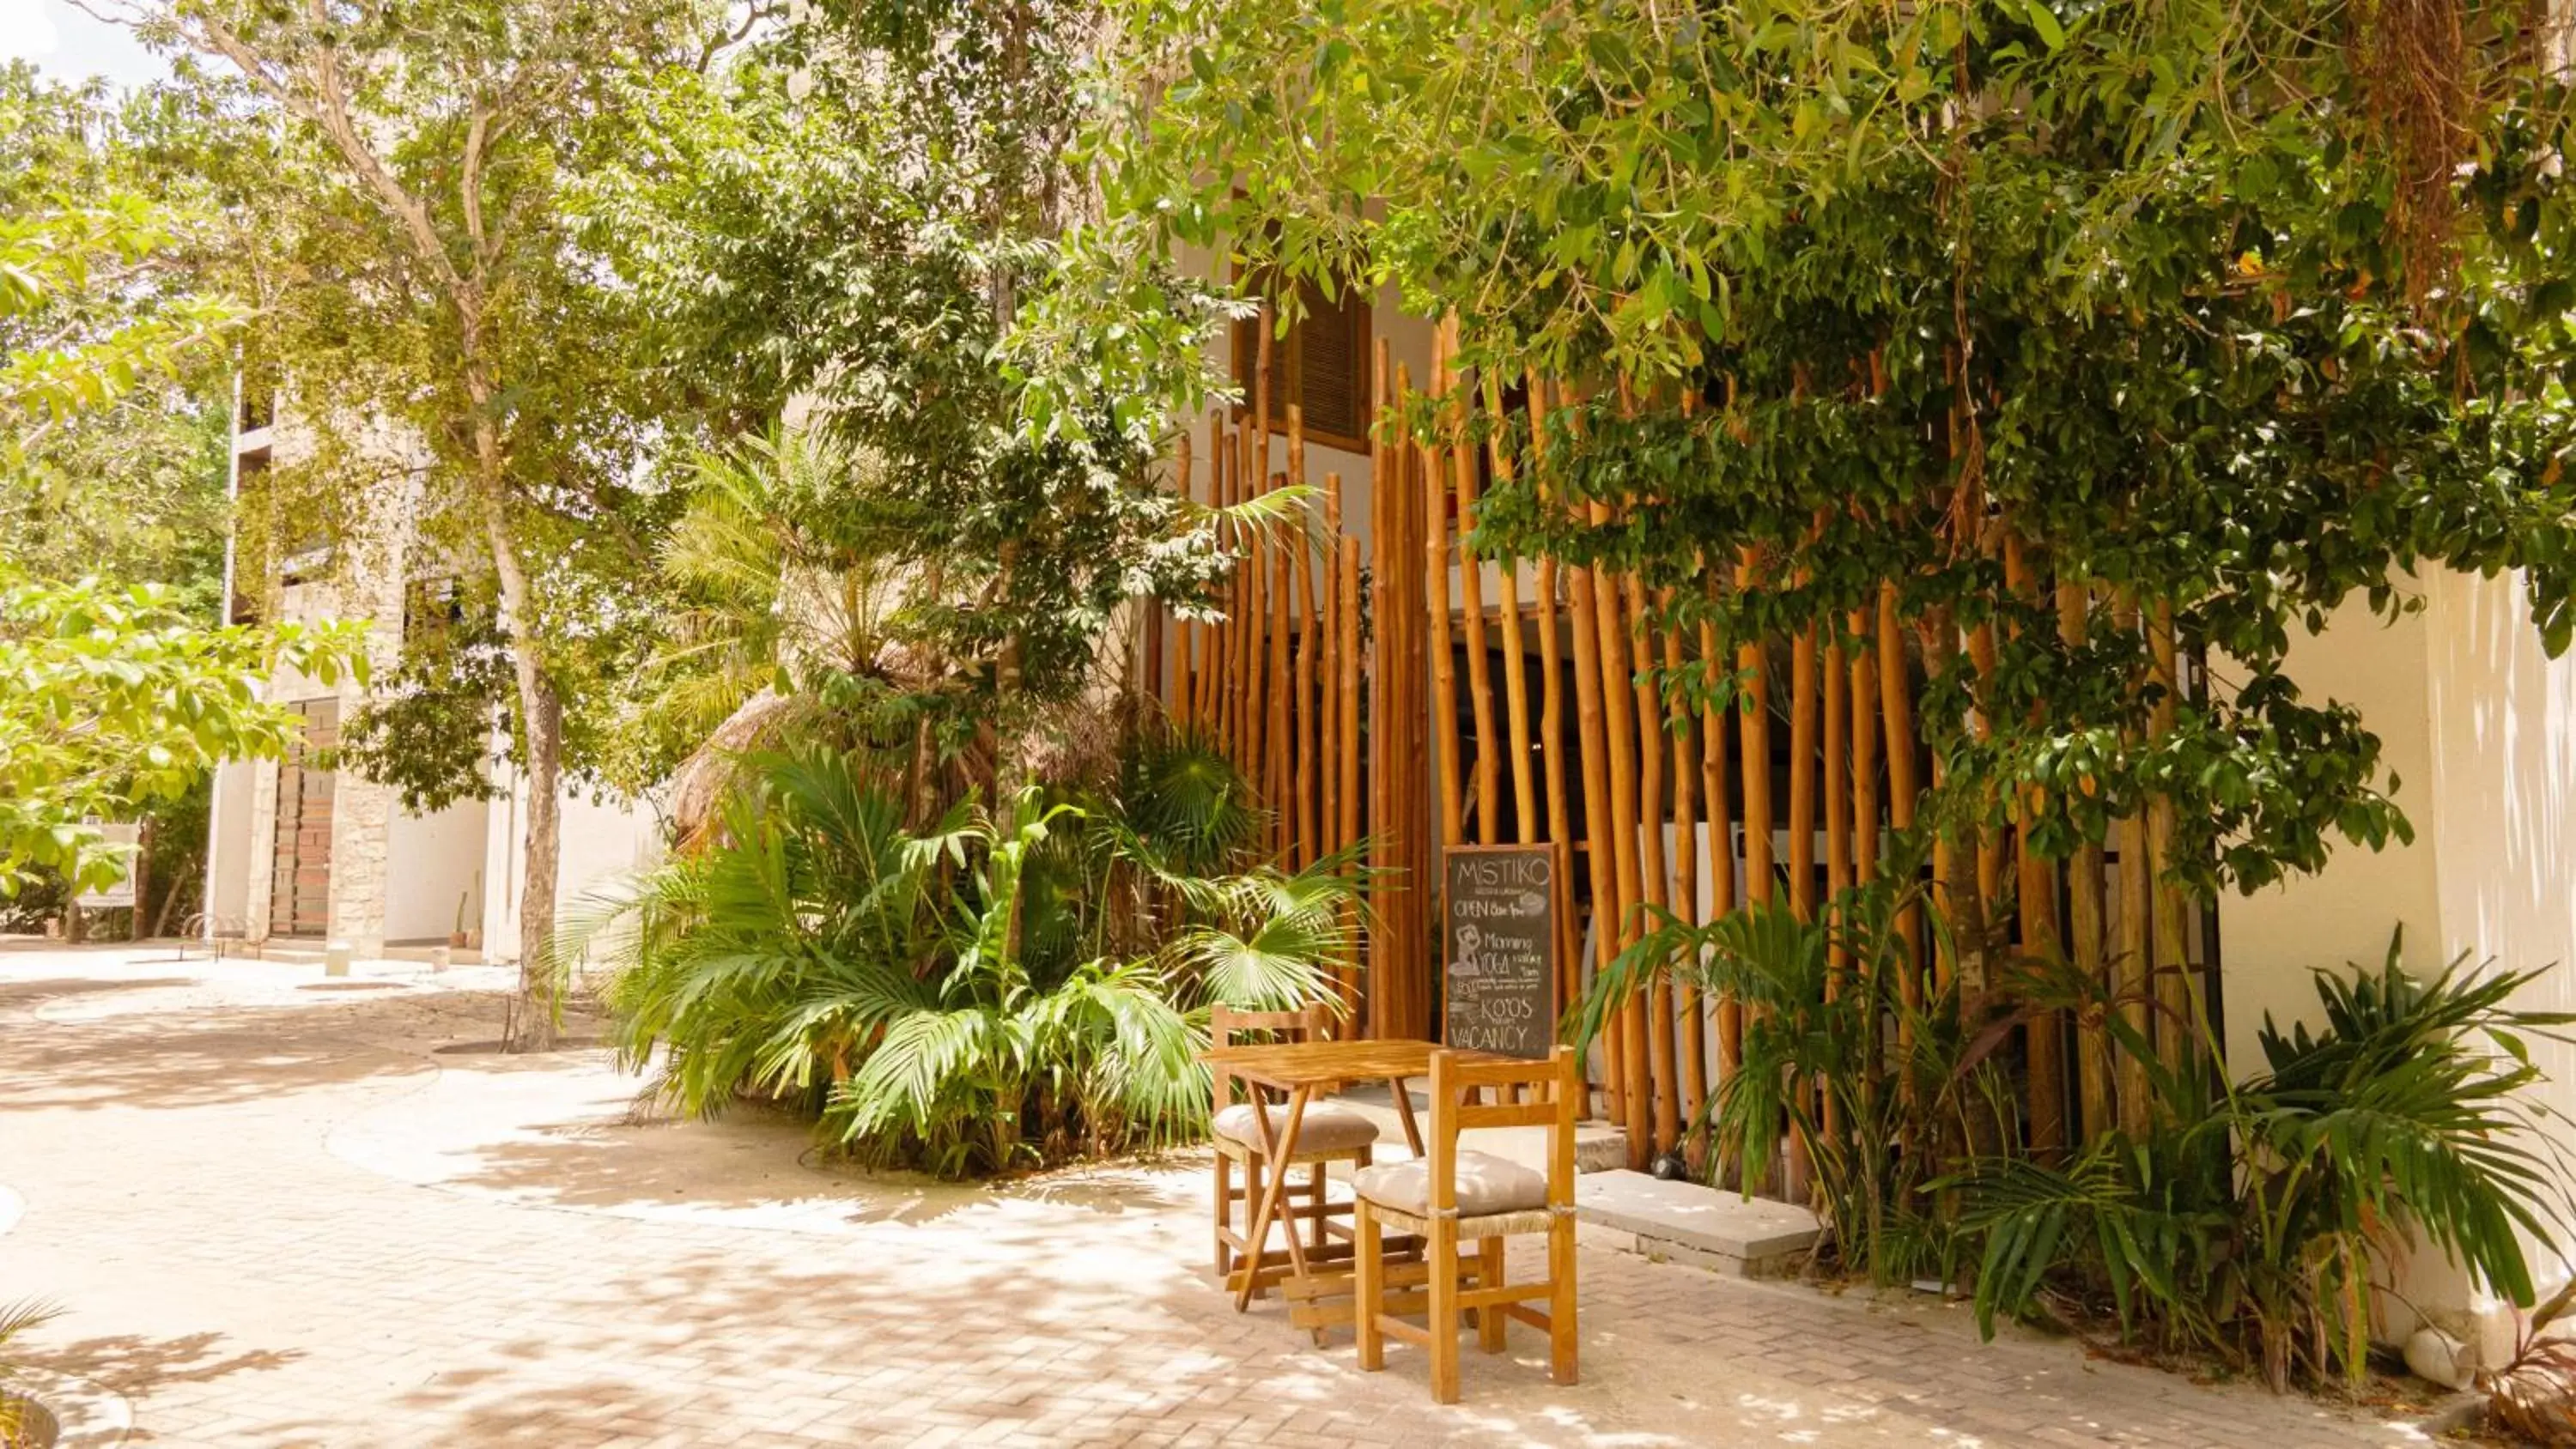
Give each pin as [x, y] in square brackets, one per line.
[1281, 729]
[1990, 846]
[1247, 631]
[1328, 563]
[1229, 629]
[1185, 636]
[1387, 482]
[2035, 890]
[1399, 984]
[1309, 632]
[1599, 816]
[1444, 698]
[1560, 822]
[1896, 704]
[1802, 773]
[1713, 765]
[1525, 805]
[1347, 759]
[1755, 736]
[1864, 750]
[1618, 707]
[2176, 1039]
[1658, 1007]
[2084, 906]
[1838, 823]
[1837, 767]
[1444, 684]
[1471, 600]
[1692, 1048]
[2136, 883]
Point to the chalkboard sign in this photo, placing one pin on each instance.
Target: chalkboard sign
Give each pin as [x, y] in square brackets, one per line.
[1499, 942]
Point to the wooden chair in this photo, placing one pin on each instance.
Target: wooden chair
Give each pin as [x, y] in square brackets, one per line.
[1452, 1196]
[1328, 1134]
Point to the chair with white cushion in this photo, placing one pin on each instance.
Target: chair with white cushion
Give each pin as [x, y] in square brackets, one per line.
[1454, 1196]
[1329, 1133]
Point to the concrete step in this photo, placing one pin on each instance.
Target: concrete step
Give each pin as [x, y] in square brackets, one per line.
[1687, 1222]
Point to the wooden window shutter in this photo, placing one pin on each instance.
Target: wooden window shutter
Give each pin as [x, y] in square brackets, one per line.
[1323, 365]
[1333, 346]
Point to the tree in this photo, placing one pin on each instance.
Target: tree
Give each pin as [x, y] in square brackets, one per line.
[910, 245]
[2204, 314]
[411, 220]
[114, 699]
[128, 488]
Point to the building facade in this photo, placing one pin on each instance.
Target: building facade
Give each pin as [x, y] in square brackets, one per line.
[301, 856]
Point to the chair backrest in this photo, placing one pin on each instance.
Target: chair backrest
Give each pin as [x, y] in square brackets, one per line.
[1226, 1026]
[1545, 1094]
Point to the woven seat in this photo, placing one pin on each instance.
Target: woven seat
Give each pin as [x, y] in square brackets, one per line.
[1448, 1196]
[1486, 1185]
[1327, 1130]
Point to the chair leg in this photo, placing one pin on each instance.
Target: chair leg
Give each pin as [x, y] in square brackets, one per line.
[1561, 1336]
[1444, 1310]
[1315, 1224]
[1367, 1286]
[1248, 1260]
[1489, 1321]
[1224, 1215]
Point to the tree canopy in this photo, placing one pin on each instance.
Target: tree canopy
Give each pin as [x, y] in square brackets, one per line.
[880, 215]
[2207, 311]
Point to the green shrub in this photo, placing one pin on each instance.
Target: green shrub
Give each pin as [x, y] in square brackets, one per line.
[988, 993]
[2244, 1221]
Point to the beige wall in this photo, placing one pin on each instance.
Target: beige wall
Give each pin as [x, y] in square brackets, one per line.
[2504, 835]
[2480, 728]
[2271, 941]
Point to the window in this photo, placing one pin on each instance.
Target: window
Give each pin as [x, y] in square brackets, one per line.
[1322, 366]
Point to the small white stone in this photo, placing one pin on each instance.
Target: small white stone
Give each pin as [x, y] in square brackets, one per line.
[2438, 1357]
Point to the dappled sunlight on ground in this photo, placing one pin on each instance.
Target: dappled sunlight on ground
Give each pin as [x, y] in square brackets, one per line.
[281, 1216]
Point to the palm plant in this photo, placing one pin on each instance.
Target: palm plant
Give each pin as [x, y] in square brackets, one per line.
[978, 996]
[2246, 1219]
[766, 961]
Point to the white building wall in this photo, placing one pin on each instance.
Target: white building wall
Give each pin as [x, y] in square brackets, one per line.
[228, 851]
[2271, 942]
[434, 862]
[2504, 835]
[601, 842]
[2480, 727]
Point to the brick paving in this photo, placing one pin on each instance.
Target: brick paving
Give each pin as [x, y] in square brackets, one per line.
[277, 1216]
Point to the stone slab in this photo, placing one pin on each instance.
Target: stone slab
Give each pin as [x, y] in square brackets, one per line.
[1718, 1229]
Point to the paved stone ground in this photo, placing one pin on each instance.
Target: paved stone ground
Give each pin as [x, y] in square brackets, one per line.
[278, 1216]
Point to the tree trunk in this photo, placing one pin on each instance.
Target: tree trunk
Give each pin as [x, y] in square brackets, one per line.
[530, 1024]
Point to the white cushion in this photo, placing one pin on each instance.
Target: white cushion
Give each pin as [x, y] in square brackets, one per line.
[1486, 1184]
[1324, 1128]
